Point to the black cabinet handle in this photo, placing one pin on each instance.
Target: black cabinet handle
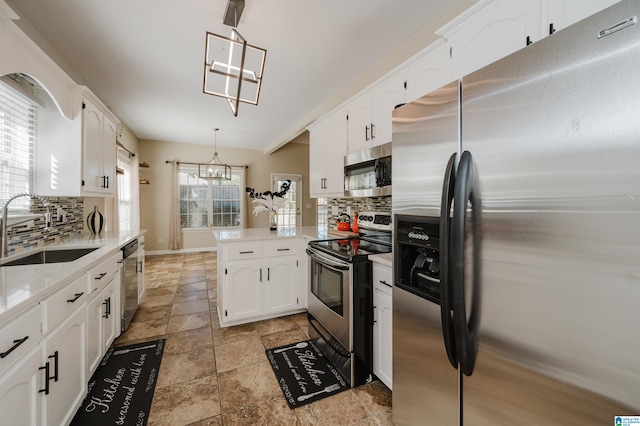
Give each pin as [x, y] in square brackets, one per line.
[77, 296]
[100, 276]
[372, 127]
[16, 343]
[46, 379]
[107, 307]
[55, 366]
[246, 252]
[260, 274]
[285, 249]
[366, 133]
[107, 181]
[384, 282]
[268, 273]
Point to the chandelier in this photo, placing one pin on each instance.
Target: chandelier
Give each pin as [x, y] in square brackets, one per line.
[214, 169]
[232, 67]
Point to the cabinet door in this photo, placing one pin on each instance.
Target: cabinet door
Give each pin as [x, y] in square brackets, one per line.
[383, 101]
[335, 150]
[281, 292]
[383, 334]
[65, 350]
[108, 155]
[19, 396]
[95, 309]
[92, 122]
[110, 323]
[564, 13]
[494, 35]
[359, 124]
[430, 72]
[141, 269]
[316, 160]
[243, 290]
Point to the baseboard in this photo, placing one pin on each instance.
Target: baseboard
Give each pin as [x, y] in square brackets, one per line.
[181, 251]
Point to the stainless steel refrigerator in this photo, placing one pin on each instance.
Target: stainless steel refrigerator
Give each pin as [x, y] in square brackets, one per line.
[516, 204]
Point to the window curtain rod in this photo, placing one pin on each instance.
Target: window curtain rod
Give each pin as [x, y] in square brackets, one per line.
[195, 164]
[131, 154]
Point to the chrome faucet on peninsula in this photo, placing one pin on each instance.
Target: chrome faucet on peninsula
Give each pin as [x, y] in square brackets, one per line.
[5, 226]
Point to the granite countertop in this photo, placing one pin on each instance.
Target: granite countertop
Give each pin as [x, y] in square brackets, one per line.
[258, 234]
[24, 286]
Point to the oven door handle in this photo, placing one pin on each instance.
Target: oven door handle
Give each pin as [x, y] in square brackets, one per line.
[311, 319]
[327, 262]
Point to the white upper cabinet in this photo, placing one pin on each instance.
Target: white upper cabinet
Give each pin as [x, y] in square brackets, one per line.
[370, 114]
[429, 72]
[327, 148]
[563, 13]
[77, 157]
[98, 151]
[491, 30]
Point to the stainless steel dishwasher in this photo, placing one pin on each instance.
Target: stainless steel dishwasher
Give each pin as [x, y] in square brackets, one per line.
[129, 287]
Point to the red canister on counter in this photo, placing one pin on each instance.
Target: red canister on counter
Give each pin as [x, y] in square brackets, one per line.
[354, 226]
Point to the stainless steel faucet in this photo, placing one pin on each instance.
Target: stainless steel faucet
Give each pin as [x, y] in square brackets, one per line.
[5, 227]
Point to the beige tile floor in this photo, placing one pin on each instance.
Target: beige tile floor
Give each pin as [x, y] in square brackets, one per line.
[221, 376]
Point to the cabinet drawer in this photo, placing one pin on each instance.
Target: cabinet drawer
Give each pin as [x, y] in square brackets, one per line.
[102, 273]
[244, 251]
[280, 247]
[382, 277]
[60, 305]
[18, 337]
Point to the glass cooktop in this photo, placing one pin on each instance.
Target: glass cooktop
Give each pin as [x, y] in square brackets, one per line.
[354, 249]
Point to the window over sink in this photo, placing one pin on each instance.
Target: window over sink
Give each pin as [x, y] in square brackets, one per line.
[18, 124]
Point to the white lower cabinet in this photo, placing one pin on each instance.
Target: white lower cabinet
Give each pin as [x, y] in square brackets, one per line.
[383, 324]
[64, 355]
[281, 287]
[242, 289]
[102, 323]
[259, 280]
[19, 392]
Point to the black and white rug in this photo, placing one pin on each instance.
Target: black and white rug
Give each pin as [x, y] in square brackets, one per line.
[304, 373]
[121, 389]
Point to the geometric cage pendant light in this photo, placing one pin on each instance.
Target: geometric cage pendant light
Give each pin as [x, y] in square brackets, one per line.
[214, 169]
[232, 67]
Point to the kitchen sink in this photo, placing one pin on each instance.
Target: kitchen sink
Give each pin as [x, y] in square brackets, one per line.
[51, 256]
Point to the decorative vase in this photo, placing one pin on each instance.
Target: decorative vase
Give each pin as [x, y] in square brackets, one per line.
[273, 221]
[95, 221]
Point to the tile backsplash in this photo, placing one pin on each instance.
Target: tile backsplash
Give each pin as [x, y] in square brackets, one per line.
[353, 205]
[27, 236]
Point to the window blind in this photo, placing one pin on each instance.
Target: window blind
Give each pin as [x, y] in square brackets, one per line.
[18, 124]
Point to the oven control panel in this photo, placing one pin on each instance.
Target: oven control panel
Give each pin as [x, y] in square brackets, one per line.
[375, 220]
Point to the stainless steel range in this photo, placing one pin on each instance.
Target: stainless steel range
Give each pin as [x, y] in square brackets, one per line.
[341, 295]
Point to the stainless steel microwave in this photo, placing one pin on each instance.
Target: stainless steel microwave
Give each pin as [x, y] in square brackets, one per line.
[367, 173]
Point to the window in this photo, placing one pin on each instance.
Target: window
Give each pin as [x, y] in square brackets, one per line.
[124, 190]
[210, 203]
[322, 219]
[18, 121]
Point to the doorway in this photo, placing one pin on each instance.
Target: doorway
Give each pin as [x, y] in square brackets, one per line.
[291, 213]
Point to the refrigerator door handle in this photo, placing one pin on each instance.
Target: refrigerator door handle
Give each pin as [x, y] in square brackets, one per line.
[467, 193]
[445, 289]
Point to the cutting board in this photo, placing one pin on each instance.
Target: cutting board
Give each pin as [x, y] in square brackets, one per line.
[341, 234]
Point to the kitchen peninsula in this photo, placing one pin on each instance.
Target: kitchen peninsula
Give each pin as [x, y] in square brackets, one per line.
[261, 273]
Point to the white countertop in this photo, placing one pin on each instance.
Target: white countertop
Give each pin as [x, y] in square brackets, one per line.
[257, 234]
[23, 286]
[383, 259]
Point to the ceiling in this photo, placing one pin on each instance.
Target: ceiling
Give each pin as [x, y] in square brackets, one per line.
[145, 58]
